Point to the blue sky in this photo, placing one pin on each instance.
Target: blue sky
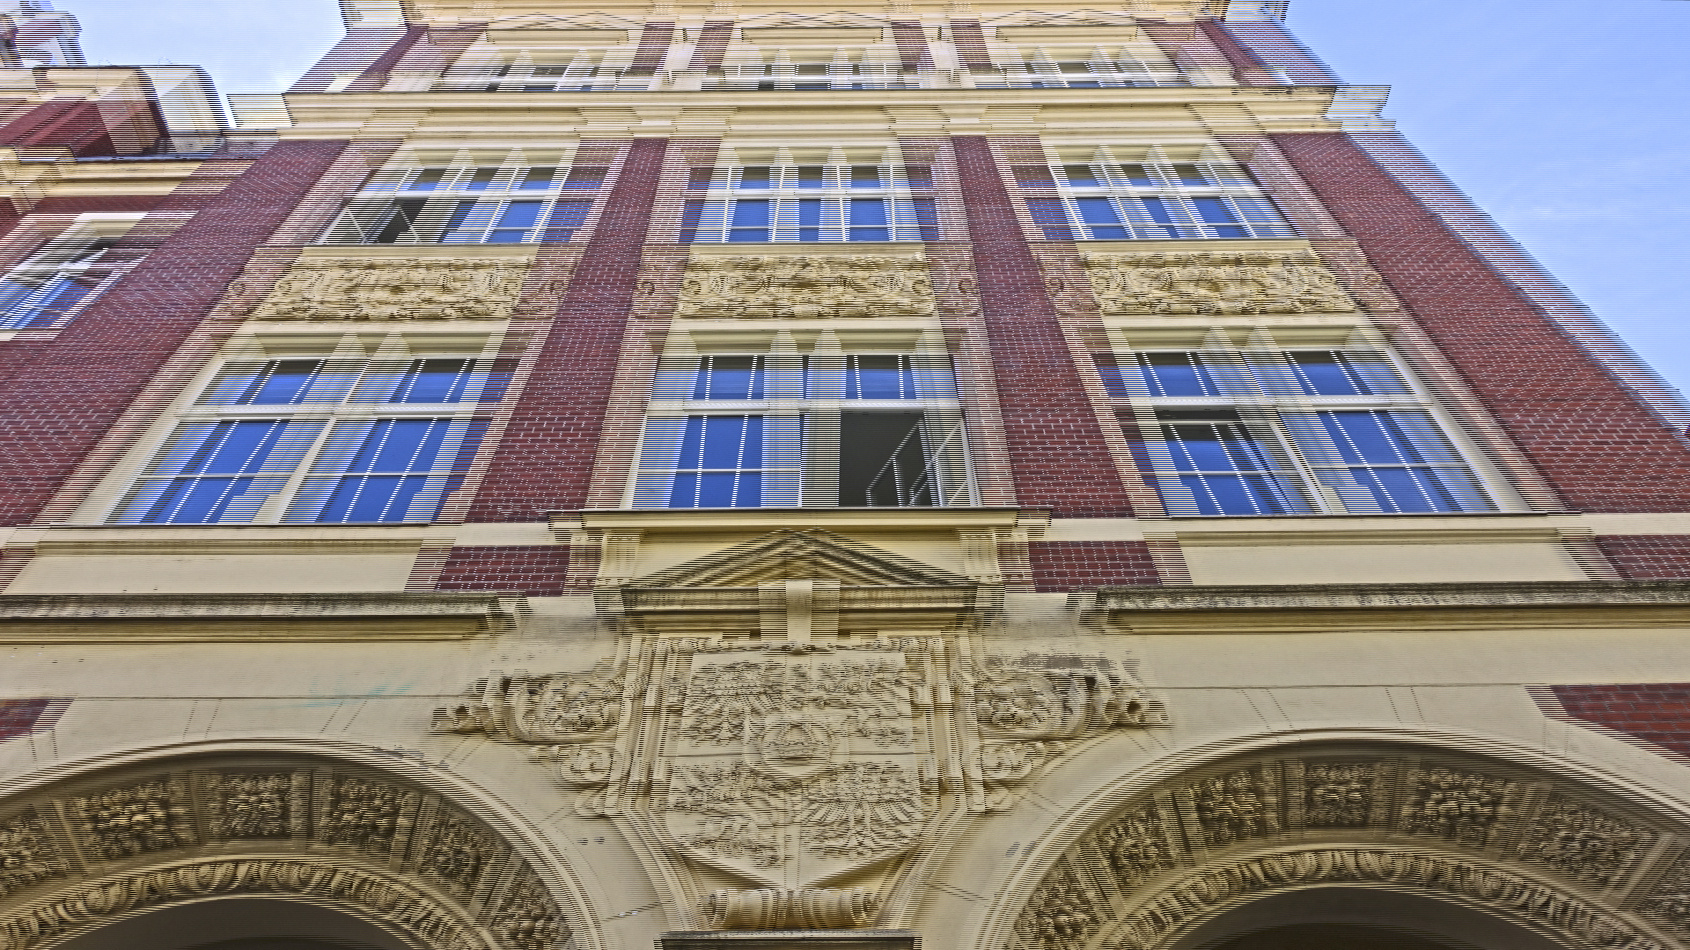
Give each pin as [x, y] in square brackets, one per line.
[1568, 121]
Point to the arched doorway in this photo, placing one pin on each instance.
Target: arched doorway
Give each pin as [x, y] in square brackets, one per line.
[1343, 918]
[241, 924]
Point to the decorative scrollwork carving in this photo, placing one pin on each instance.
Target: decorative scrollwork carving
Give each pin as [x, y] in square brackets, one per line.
[1239, 805]
[1213, 284]
[366, 815]
[1135, 847]
[809, 287]
[429, 288]
[27, 854]
[384, 900]
[136, 819]
[1338, 794]
[790, 908]
[1587, 845]
[1461, 806]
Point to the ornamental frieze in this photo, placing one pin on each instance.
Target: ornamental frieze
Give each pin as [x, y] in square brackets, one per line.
[809, 287]
[1219, 284]
[388, 289]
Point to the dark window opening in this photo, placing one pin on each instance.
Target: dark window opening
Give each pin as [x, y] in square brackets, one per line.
[883, 461]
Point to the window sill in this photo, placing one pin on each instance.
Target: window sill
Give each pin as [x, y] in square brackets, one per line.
[773, 519]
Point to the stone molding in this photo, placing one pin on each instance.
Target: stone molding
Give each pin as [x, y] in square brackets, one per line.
[87, 850]
[1524, 843]
[34, 618]
[814, 286]
[388, 289]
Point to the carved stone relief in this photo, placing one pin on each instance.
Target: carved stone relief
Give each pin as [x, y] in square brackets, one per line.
[428, 288]
[1212, 284]
[1461, 806]
[27, 853]
[125, 822]
[136, 847]
[1395, 816]
[809, 287]
[1586, 844]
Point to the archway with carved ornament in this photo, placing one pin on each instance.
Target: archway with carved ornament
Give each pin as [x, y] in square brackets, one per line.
[255, 849]
[1357, 844]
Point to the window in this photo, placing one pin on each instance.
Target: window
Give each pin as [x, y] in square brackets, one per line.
[762, 203]
[850, 430]
[470, 205]
[814, 76]
[1102, 71]
[320, 441]
[1111, 201]
[1288, 432]
[560, 71]
[47, 290]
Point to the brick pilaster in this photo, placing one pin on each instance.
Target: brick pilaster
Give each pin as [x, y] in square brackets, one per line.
[712, 44]
[61, 402]
[356, 52]
[544, 461]
[375, 75]
[912, 44]
[971, 46]
[1598, 445]
[1057, 449]
[654, 47]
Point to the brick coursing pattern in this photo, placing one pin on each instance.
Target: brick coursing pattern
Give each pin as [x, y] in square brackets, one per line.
[1246, 65]
[912, 44]
[712, 44]
[1268, 42]
[353, 54]
[86, 204]
[1647, 557]
[20, 717]
[59, 403]
[1597, 445]
[537, 570]
[375, 75]
[654, 47]
[1057, 450]
[1061, 566]
[1656, 713]
[970, 44]
[545, 458]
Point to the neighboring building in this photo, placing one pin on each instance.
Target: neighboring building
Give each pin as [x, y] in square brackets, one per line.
[1018, 477]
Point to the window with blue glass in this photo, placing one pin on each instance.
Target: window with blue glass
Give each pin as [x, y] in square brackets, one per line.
[1263, 432]
[48, 289]
[809, 203]
[321, 441]
[1105, 200]
[507, 204]
[827, 429]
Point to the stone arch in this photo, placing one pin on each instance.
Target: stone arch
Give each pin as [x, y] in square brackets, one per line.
[1558, 849]
[424, 856]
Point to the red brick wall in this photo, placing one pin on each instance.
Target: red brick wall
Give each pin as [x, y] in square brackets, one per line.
[83, 204]
[536, 570]
[712, 44]
[1057, 450]
[20, 717]
[375, 75]
[1642, 557]
[1657, 713]
[654, 46]
[971, 46]
[544, 461]
[1268, 42]
[74, 124]
[1246, 65]
[1598, 446]
[354, 53]
[912, 44]
[1086, 565]
[58, 405]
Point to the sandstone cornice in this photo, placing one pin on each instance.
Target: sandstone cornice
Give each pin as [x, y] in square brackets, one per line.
[181, 617]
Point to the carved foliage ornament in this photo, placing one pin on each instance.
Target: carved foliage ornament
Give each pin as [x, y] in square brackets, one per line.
[27, 854]
[1212, 284]
[789, 764]
[820, 286]
[326, 288]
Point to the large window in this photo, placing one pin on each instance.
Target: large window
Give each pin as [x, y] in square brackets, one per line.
[820, 202]
[1100, 71]
[1273, 432]
[66, 275]
[1106, 200]
[503, 204]
[857, 430]
[320, 441]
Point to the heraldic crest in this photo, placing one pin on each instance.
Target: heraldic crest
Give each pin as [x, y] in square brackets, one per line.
[798, 767]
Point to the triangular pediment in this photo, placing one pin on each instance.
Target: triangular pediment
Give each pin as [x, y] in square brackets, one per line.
[801, 555]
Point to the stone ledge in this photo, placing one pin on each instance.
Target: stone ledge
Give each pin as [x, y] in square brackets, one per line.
[50, 618]
[1309, 608]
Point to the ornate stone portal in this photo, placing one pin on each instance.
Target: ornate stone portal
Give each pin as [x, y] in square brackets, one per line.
[791, 773]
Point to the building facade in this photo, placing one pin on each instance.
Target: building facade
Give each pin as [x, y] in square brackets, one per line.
[1002, 476]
